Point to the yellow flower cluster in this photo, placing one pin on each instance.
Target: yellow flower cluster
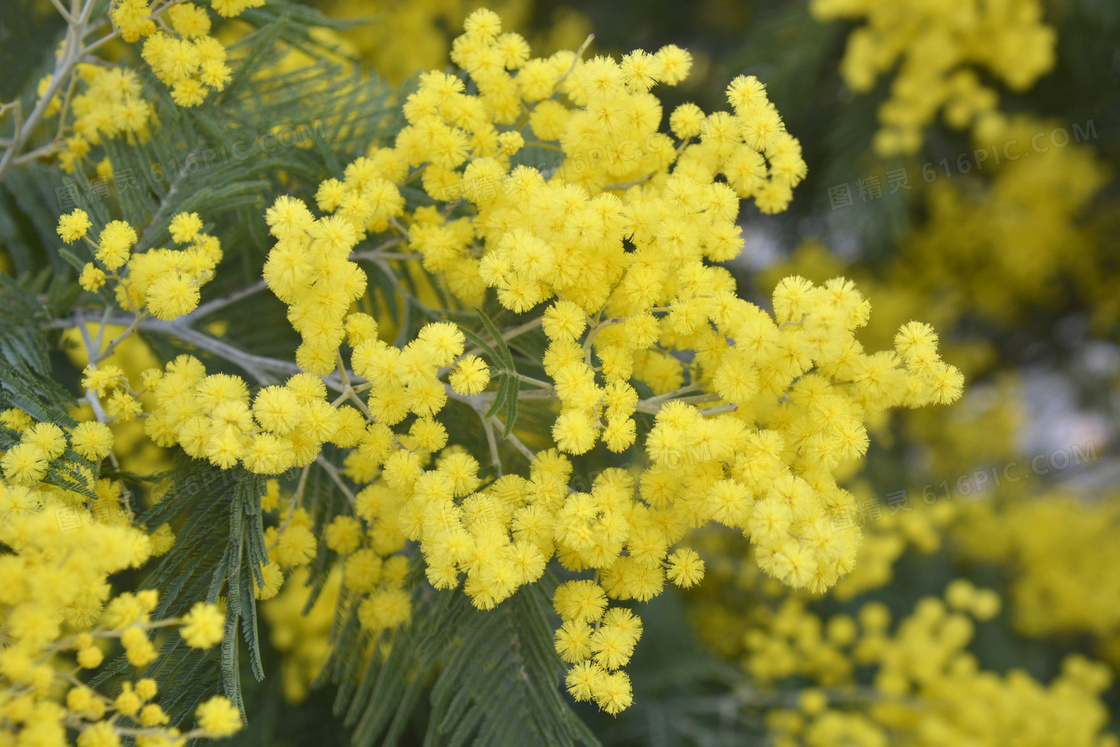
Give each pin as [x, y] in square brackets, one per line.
[159, 282]
[606, 121]
[751, 412]
[212, 417]
[620, 245]
[57, 614]
[941, 50]
[26, 463]
[416, 35]
[927, 688]
[108, 105]
[1062, 577]
[309, 267]
[179, 49]
[107, 101]
[1008, 249]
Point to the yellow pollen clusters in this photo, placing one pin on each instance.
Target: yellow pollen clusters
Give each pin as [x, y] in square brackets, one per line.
[940, 50]
[57, 611]
[724, 412]
[163, 283]
[612, 257]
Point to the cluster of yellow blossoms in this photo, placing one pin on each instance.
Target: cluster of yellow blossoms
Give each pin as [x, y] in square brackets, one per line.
[616, 238]
[57, 611]
[927, 686]
[163, 283]
[58, 615]
[1002, 251]
[109, 106]
[750, 412]
[182, 53]
[178, 48]
[1063, 578]
[940, 50]
[413, 35]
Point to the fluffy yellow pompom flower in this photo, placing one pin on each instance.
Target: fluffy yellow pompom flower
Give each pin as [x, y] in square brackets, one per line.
[172, 295]
[122, 406]
[92, 440]
[190, 20]
[138, 647]
[277, 409]
[580, 601]
[92, 278]
[444, 341]
[184, 226]
[90, 657]
[295, 547]
[574, 432]
[344, 534]
[218, 717]
[915, 339]
[686, 569]
[48, 437]
[203, 626]
[115, 243]
[73, 226]
[613, 692]
[686, 120]
[133, 19]
[471, 375]
[128, 703]
[389, 608]
[24, 464]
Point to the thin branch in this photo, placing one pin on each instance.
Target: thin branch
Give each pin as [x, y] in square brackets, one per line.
[492, 442]
[397, 225]
[488, 397]
[719, 409]
[62, 11]
[402, 257]
[514, 441]
[41, 152]
[65, 107]
[102, 355]
[101, 328]
[378, 251]
[653, 405]
[255, 365]
[546, 385]
[627, 184]
[331, 470]
[94, 46]
[220, 303]
[579, 53]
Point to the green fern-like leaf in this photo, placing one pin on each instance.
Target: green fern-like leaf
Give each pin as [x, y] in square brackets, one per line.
[491, 677]
[216, 516]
